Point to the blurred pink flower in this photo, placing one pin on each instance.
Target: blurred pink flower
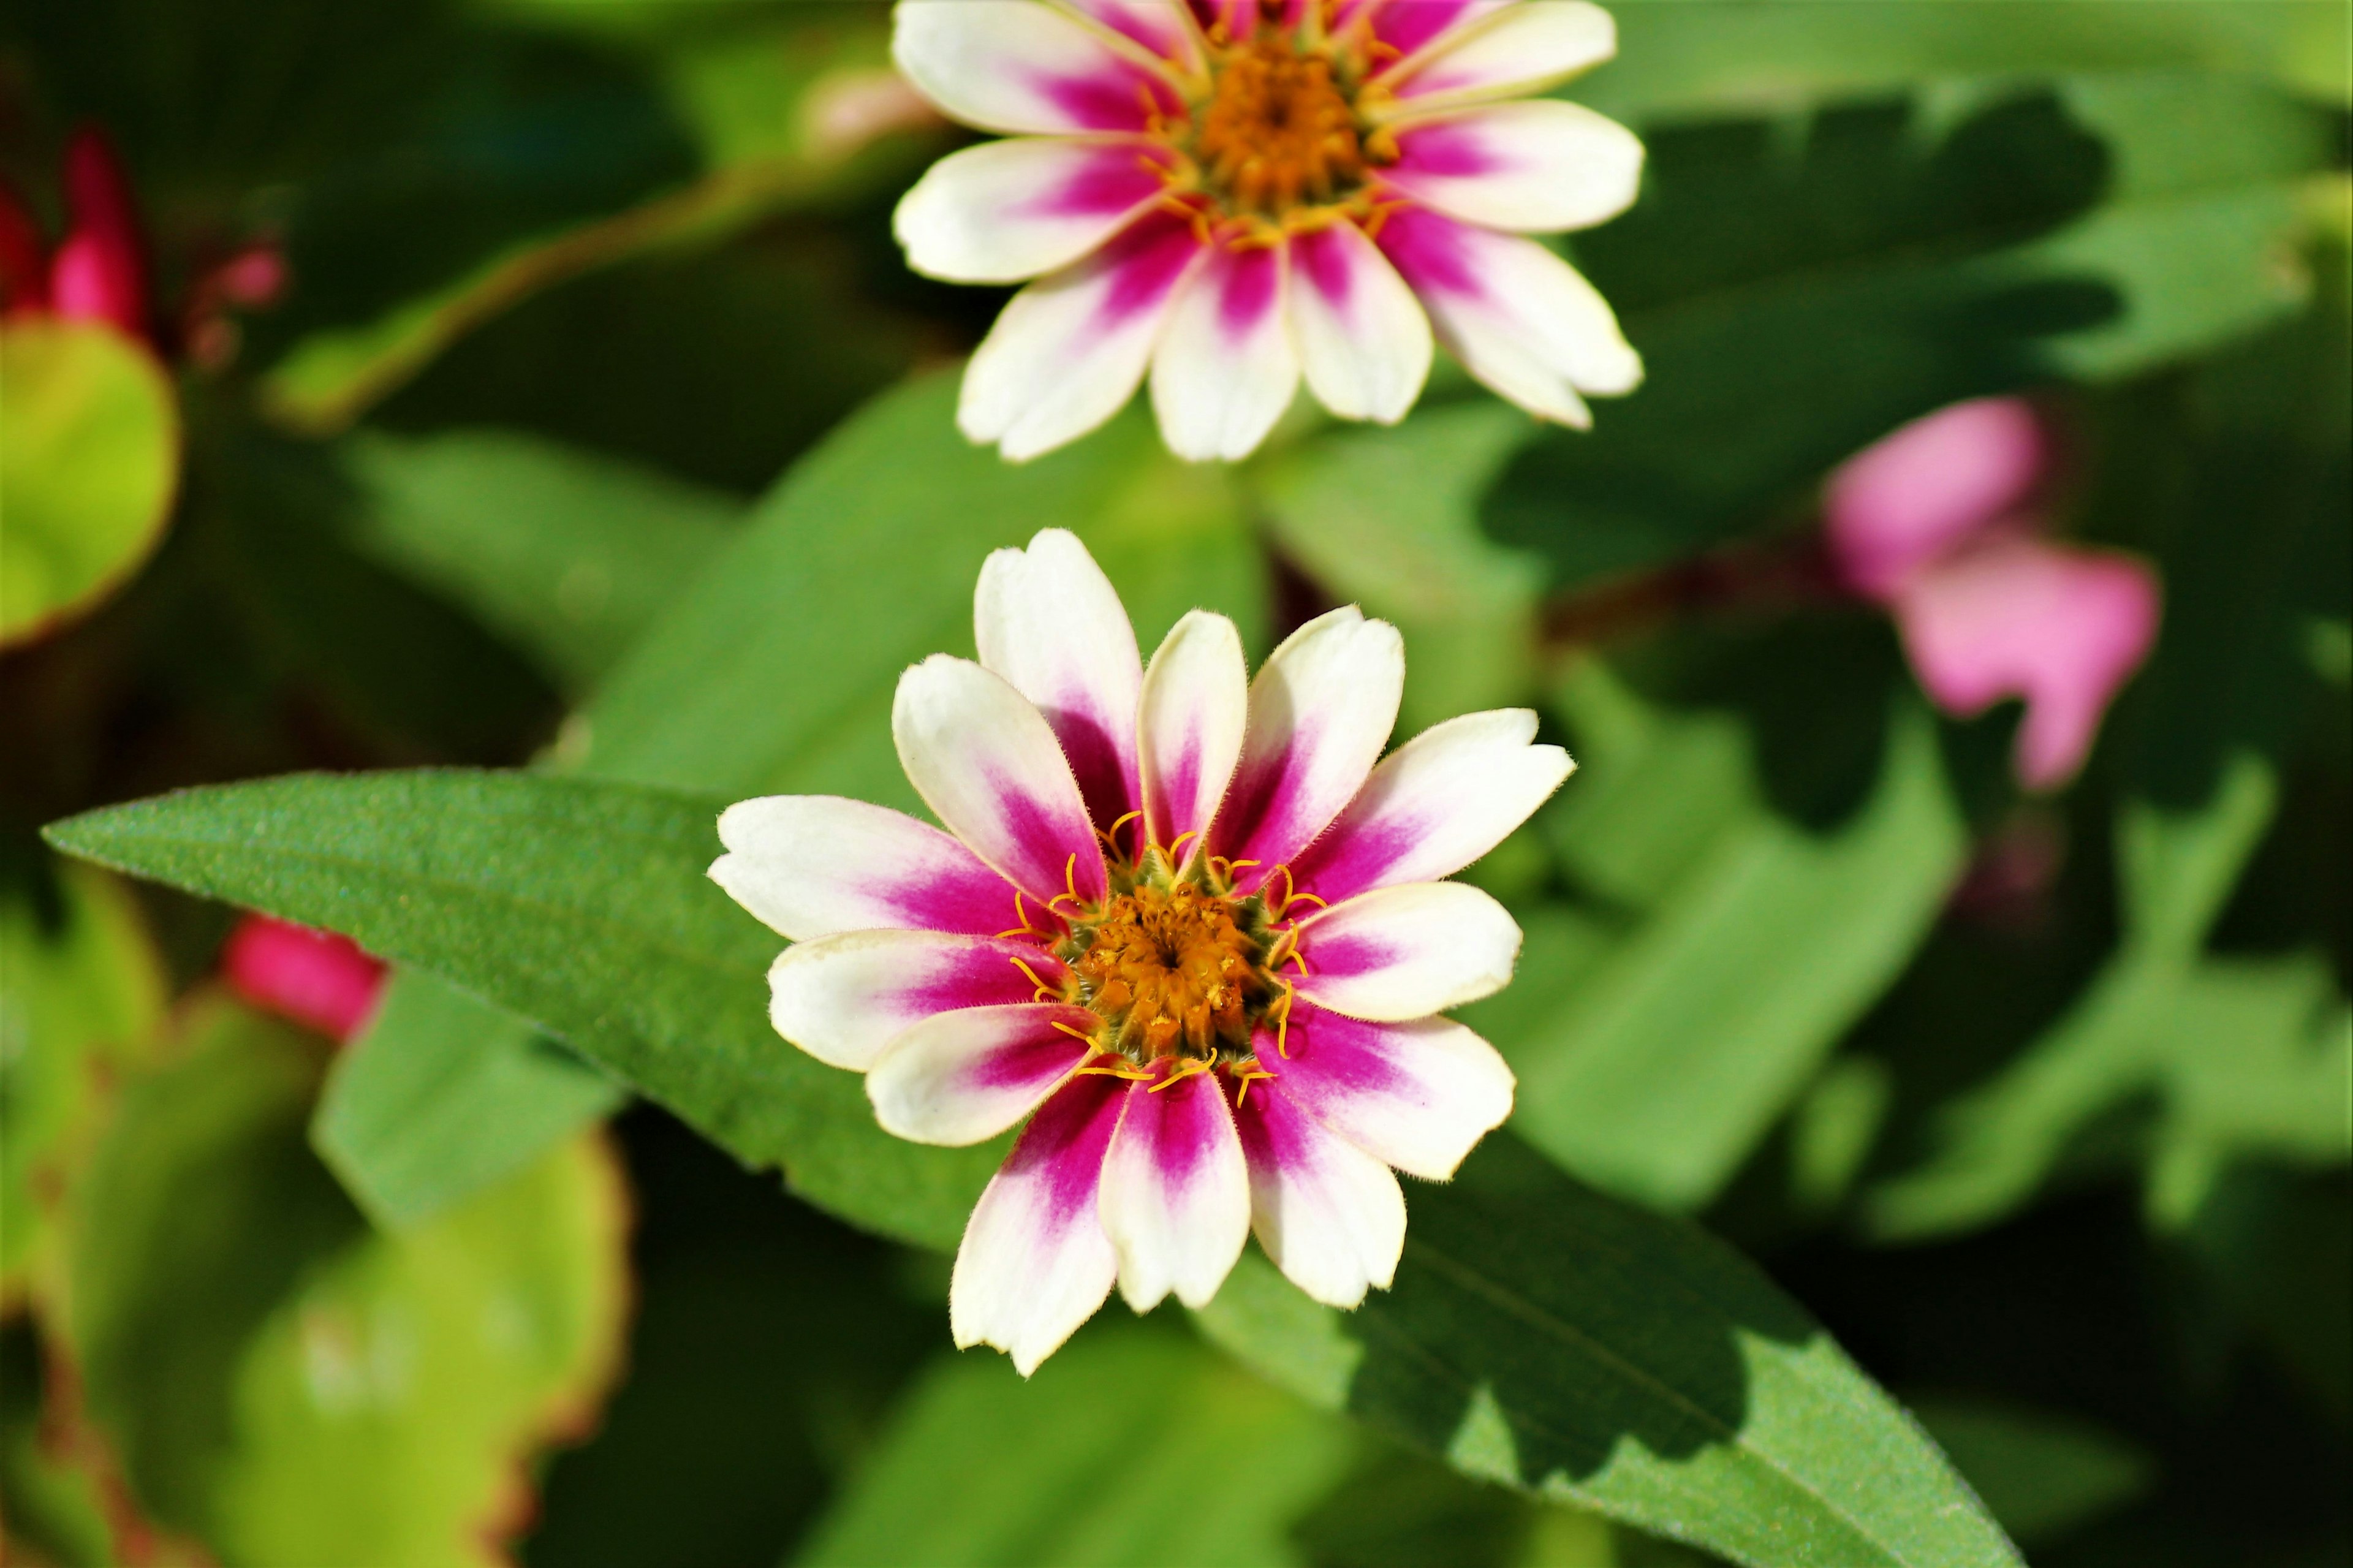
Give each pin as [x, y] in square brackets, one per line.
[99, 270]
[1936, 522]
[314, 978]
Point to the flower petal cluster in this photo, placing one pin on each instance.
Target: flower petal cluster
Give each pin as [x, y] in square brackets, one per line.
[1234, 195]
[98, 270]
[1939, 523]
[1190, 926]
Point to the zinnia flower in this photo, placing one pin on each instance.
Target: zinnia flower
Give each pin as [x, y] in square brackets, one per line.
[1180, 921]
[1940, 523]
[1237, 193]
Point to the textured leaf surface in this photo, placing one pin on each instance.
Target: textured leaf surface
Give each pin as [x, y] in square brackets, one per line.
[1550, 1339]
[1035, 1491]
[290, 1387]
[443, 1095]
[89, 438]
[580, 905]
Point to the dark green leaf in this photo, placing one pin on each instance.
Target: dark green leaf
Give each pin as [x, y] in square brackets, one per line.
[580, 905]
[2041, 1475]
[1548, 1338]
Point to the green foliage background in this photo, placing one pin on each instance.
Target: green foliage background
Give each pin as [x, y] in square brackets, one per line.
[598, 468]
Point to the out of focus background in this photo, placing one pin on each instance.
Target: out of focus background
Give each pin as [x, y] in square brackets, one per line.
[1961, 928]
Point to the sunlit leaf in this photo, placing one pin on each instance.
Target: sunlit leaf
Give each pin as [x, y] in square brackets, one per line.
[89, 438]
[1033, 1490]
[85, 993]
[290, 1387]
[1545, 1337]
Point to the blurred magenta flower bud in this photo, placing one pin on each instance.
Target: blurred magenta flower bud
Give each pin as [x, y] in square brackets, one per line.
[99, 270]
[1937, 523]
[316, 978]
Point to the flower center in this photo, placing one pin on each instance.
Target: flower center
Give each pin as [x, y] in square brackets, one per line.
[1176, 969]
[1277, 128]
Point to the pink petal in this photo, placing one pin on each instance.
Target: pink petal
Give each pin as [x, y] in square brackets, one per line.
[1035, 1261]
[1175, 1192]
[1328, 1214]
[1364, 341]
[1415, 1095]
[1008, 210]
[2062, 628]
[1320, 711]
[1196, 703]
[1408, 951]
[986, 761]
[1022, 67]
[1407, 26]
[1511, 51]
[1929, 488]
[844, 999]
[1049, 621]
[1535, 167]
[1226, 369]
[99, 272]
[814, 865]
[316, 978]
[1435, 804]
[1159, 25]
[963, 1077]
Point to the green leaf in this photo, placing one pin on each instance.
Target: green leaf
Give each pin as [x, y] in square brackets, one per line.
[2042, 1475]
[52, 1510]
[980, 1470]
[775, 673]
[285, 1386]
[1389, 520]
[567, 553]
[1543, 1336]
[1736, 946]
[445, 1095]
[1678, 59]
[85, 993]
[89, 438]
[580, 905]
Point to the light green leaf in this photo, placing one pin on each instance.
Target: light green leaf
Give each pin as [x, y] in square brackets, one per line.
[445, 1095]
[84, 994]
[1389, 518]
[775, 673]
[579, 905]
[286, 1385]
[2040, 1474]
[89, 438]
[1682, 57]
[1547, 1338]
[1046, 1471]
[1748, 945]
[566, 553]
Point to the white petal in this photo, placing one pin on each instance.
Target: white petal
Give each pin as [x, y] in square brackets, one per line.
[843, 998]
[1070, 349]
[1035, 1262]
[1047, 620]
[1415, 1095]
[1018, 67]
[1195, 703]
[1226, 370]
[1408, 951]
[1320, 713]
[1328, 1214]
[983, 758]
[814, 865]
[1508, 53]
[1362, 340]
[1519, 318]
[964, 1078]
[1008, 210]
[1435, 804]
[1175, 1194]
[1539, 167]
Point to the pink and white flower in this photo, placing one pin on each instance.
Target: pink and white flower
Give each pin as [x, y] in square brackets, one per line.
[1236, 194]
[1179, 921]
